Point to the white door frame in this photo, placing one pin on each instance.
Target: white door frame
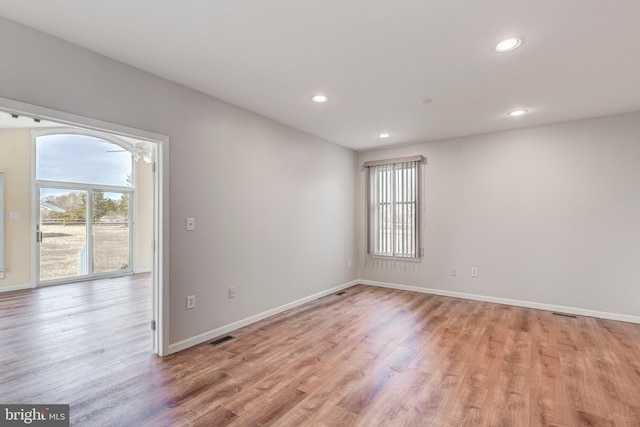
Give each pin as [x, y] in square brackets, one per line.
[160, 288]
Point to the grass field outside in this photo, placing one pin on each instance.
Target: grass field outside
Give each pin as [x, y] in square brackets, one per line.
[61, 250]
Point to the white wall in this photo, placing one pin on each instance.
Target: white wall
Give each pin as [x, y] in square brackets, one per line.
[273, 206]
[549, 214]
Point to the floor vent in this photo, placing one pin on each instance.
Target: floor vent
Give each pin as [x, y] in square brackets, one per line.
[555, 313]
[341, 293]
[220, 340]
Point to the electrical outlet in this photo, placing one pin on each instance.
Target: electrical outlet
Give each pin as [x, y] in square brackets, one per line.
[191, 224]
[232, 292]
[191, 302]
[454, 271]
[474, 271]
[348, 263]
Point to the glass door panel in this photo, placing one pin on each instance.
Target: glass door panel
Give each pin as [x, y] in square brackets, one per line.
[111, 232]
[62, 234]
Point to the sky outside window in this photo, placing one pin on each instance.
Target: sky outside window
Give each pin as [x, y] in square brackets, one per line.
[82, 159]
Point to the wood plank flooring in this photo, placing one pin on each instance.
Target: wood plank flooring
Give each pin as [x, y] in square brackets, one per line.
[369, 357]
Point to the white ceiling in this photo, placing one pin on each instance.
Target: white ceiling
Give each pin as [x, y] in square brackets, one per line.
[374, 59]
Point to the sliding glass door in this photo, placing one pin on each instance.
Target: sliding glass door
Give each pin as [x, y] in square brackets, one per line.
[84, 187]
[111, 232]
[62, 234]
[70, 245]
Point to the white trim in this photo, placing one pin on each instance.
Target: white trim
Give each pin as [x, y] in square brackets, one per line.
[110, 137]
[419, 159]
[161, 234]
[74, 120]
[62, 185]
[506, 301]
[16, 287]
[198, 339]
[142, 271]
[83, 278]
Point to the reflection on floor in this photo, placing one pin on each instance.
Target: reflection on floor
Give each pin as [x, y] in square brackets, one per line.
[368, 357]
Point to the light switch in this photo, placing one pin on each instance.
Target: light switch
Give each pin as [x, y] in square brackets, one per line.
[14, 216]
[191, 224]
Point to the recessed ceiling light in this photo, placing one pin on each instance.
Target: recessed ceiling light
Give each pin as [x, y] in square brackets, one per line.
[384, 135]
[508, 44]
[425, 101]
[516, 113]
[319, 99]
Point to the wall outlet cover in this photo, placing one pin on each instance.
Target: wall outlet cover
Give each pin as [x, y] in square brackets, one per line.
[191, 302]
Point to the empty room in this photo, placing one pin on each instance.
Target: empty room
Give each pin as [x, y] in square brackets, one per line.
[295, 213]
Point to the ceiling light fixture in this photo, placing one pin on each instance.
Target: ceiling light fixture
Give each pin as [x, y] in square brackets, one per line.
[508, 44]
[384, 135]
[516, 113]
[320, 99]
[425, 101]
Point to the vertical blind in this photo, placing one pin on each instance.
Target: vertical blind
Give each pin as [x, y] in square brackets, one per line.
[394, 207]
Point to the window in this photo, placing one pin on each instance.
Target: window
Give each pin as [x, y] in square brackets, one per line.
[85, 183]
[83, 159]
[394, 207]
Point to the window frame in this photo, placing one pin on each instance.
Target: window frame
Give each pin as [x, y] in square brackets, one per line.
[131, 189]
[418, 251]
[62, 131]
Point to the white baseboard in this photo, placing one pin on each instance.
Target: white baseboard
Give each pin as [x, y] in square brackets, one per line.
[190, 342]
[517, 303]
[16, 287]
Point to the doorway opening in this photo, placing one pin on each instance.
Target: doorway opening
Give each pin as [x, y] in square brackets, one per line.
[83, 229]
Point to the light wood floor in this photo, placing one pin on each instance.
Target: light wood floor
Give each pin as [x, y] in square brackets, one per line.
[368, 357]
